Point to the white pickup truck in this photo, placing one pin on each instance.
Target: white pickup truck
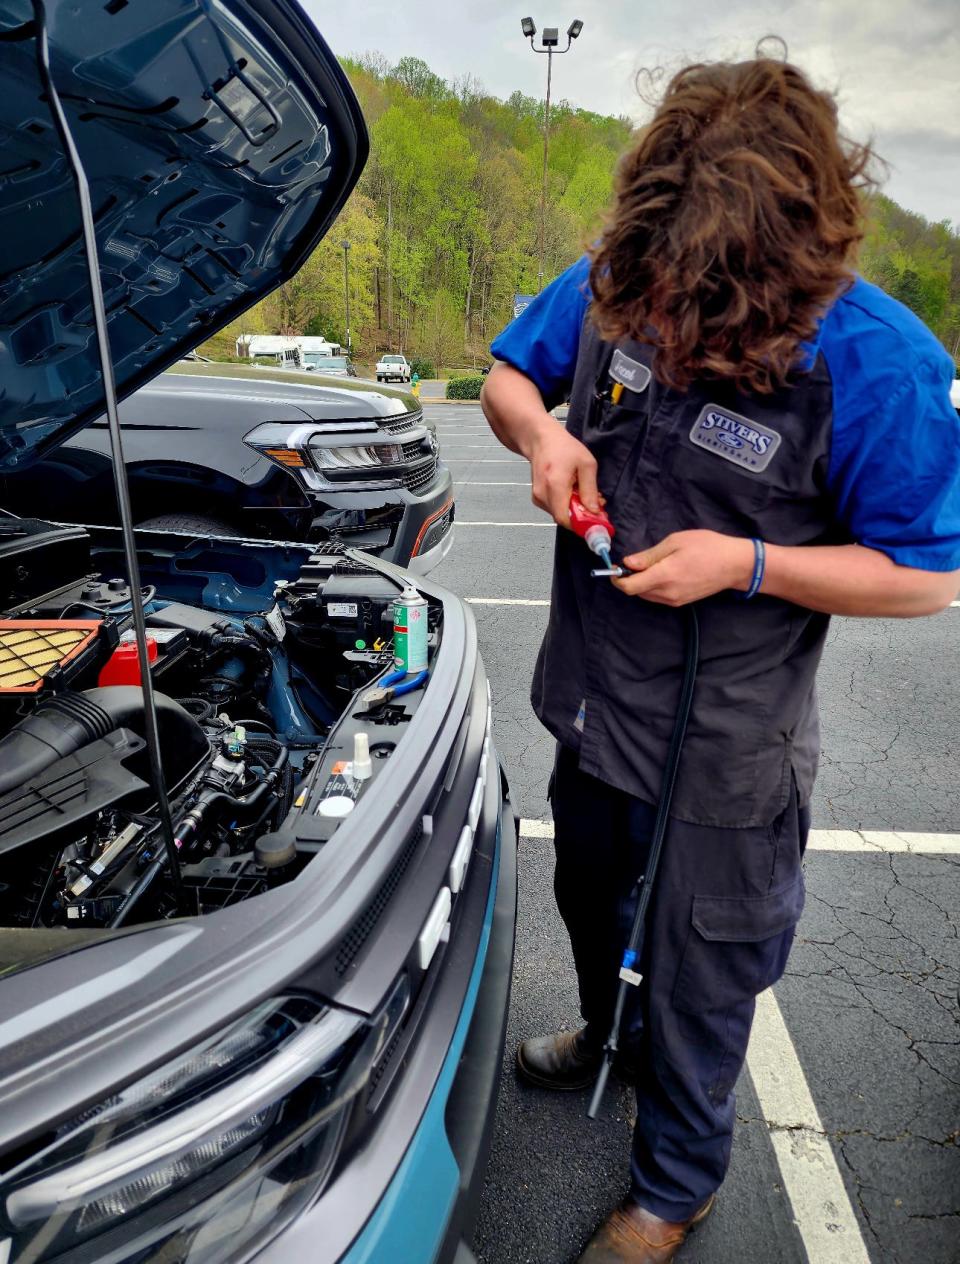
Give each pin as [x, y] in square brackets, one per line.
[393, 366]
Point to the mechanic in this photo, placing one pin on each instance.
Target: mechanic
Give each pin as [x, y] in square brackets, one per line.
[759, 423]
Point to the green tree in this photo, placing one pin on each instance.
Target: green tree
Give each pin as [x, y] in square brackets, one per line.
[441, 336]
[445, 224]
[313, 301]
[419, 80]
[916, 262]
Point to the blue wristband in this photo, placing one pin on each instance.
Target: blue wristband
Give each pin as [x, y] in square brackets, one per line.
[759, 564]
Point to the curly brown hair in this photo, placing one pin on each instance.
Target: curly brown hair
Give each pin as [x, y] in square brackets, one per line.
[736, 218]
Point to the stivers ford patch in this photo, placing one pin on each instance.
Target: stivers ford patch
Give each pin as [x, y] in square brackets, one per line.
[737, 439]
[629, 373]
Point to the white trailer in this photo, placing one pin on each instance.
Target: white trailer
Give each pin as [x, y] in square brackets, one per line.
[318, 345]
[251, 345]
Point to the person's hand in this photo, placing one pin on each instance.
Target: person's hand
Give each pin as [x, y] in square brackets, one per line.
[558, 464]
[687, 566]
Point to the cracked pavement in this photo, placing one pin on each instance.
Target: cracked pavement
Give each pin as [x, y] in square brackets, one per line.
[870, 996]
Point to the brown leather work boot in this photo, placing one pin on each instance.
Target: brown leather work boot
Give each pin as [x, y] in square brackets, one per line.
[566, 1061]
[631, 1235]
[561, 1061]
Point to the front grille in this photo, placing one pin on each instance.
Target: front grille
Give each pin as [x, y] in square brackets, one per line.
[357, 936]
[410, 451]
[401, 424]
[421, 476]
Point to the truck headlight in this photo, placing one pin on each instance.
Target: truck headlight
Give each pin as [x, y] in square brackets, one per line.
[334, 460]
[324, 454]
[206, 1157]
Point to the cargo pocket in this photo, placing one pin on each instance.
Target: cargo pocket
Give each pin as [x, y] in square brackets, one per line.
[736, 947]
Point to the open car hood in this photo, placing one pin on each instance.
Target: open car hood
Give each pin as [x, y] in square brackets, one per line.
[220, 138]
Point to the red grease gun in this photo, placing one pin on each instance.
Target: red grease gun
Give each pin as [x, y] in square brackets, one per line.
[597, 531]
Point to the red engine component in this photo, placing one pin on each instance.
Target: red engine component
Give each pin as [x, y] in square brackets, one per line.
[123, 665]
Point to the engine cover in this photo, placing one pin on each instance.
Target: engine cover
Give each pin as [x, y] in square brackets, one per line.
[38, 558]
[59, 800]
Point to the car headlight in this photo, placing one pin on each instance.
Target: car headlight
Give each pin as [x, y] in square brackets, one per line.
[205, 1158]
[333, 460]
[323, 454]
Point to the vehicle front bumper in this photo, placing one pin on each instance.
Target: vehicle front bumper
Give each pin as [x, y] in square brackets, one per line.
[418, 538]
[422, 1210]
[425, 532]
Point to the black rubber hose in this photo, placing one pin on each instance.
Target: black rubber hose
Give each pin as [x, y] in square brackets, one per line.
[199, 708]
[209, 803]
[244, 807]
[56, 728]
[238, 643]
[646, 879]
[144, 882]
[257, 742]
[70, 721]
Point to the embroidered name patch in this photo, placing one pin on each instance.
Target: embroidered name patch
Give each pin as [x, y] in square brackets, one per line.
[737, 439]
[629, 373]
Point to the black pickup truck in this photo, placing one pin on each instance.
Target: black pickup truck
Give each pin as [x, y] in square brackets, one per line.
[224, 449]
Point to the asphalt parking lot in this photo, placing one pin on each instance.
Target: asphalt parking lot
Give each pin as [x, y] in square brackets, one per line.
[848, 1146]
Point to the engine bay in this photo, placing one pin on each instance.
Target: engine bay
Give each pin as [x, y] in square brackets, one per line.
[259, 657]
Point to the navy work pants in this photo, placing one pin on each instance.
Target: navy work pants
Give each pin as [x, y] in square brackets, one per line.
[719, 930]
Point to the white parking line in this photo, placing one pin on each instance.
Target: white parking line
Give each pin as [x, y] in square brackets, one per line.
[486, 460]
[504, 601]
[821, 1207]
[885, 841]
[545, 526]
[536, 829]
[469, 482]
[876, 841]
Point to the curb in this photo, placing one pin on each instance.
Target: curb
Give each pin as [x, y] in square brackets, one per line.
[435, 399]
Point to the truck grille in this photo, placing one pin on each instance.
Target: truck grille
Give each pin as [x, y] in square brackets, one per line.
[402, 424]
[421, 475]
[413, 450]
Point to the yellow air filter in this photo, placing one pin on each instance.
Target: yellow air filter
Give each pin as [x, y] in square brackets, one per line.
[31, 648]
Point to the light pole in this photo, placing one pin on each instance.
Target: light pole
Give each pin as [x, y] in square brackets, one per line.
[346, 289]
[549, 42]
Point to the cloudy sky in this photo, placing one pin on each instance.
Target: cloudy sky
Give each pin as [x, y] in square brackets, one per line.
[895, 65]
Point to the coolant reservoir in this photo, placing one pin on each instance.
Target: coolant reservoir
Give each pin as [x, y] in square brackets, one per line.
[123, 665]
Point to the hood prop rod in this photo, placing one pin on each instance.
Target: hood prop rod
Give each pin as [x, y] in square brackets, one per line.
[151, 731]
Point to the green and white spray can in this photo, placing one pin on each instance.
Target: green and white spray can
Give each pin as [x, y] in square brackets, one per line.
[410, 632]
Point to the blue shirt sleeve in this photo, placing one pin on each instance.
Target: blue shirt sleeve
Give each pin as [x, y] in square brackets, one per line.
[895, 465]
[544, 339]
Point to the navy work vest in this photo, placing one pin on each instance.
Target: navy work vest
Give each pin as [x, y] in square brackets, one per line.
[608, 675]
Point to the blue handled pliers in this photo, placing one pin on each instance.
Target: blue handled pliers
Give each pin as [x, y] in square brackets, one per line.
[391, 686]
